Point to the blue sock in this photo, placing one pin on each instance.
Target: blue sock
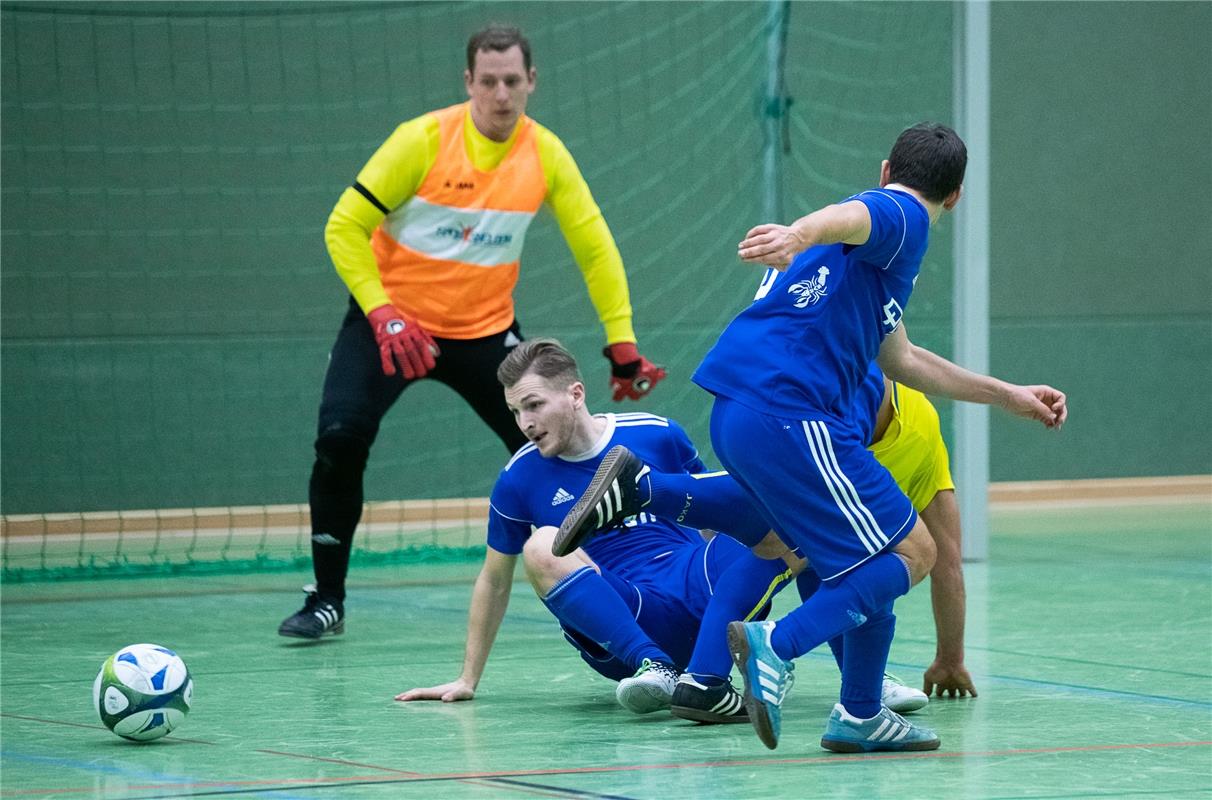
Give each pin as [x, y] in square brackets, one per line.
[808, 582]
[716, 502]
[835, 609]
[866, 658]
[740, 592]
[585, 602]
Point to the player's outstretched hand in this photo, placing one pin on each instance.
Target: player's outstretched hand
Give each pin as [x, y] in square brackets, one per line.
[948, 680]
[771, 245]
[1041, 403]
[447, 692]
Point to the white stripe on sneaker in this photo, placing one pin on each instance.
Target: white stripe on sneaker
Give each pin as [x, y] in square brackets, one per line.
[764, 667]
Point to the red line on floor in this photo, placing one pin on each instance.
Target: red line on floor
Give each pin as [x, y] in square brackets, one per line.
[341, 761]
[412, 777]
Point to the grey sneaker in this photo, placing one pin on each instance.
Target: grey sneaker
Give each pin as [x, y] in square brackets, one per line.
[649, 689]
[318, 617]
[887, 730]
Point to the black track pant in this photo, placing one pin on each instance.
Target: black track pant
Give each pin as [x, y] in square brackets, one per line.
[356, 397]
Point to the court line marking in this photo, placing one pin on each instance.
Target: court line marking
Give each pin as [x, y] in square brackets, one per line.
[339, 761]
[369, 780]
[545, 791]
[565, 791]
[1066, 659]
[489, 782]
[90, 727]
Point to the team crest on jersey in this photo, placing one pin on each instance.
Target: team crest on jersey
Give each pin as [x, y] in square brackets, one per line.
[892, 314]
[811, 290]
[561, 496]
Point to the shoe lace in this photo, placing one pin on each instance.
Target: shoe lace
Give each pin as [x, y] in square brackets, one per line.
[788, 682]
[895, 717]
[314, 601]
[664, 669]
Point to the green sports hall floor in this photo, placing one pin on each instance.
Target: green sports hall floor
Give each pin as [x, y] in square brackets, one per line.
[1089, 637]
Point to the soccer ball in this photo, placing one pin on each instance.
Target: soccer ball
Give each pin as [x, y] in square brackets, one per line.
[143, 691]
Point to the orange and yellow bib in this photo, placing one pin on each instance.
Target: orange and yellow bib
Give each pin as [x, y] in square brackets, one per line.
[449, 256]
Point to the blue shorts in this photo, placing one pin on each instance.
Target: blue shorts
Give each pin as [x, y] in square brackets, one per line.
[668, 596]
[815, 482]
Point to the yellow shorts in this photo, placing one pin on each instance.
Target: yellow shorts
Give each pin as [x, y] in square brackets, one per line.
[912, 448]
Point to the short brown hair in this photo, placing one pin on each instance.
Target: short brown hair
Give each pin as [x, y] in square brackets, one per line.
[546, 358]
[500, 38]
[929, 157]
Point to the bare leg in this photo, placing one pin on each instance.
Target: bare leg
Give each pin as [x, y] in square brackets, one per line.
[918, 551]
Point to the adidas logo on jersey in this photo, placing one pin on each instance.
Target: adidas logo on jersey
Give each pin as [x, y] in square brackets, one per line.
[561, 496]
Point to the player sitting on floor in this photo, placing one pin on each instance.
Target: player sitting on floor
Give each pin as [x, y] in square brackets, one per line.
[630, 604]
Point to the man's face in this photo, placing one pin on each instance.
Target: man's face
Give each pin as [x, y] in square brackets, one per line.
[499, 88]
[545, 413]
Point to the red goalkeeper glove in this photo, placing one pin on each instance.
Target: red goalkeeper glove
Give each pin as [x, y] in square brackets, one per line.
[402, 341]
[631, 375]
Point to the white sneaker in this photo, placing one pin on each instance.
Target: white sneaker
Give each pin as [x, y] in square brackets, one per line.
[901, 698]
[649, 689]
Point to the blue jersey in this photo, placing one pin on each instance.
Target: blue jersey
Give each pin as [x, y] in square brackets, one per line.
[867, 400]
[536, 491]
[804, 346]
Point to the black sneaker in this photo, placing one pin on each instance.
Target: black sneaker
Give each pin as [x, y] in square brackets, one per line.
[317, 618]
[612, 497]
[712, 705]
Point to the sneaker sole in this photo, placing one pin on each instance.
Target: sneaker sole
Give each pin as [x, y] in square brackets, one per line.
[738, 646]
[642, 701]
[706, 717]
[848, 746]
[577, 527]
[908, 706]
[335, 630]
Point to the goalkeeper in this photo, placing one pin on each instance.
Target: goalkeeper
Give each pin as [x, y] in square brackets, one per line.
[428, 240]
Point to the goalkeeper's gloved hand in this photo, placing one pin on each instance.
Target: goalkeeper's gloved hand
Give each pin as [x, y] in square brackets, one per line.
[631, 375]
[402, 341]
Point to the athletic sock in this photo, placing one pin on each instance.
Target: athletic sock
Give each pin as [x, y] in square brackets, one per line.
[866, 658]
[807, 582]
[715, 501]
[846, 604]
[739, 593]
[585, 602]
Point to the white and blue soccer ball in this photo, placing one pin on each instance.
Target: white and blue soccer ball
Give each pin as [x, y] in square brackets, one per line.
[143, 691]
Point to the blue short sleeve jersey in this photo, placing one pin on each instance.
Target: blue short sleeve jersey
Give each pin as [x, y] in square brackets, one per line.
[536, 491]
[802, 348]
[867, 400]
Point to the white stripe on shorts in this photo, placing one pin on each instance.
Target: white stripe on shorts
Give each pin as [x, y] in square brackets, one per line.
[843, 491]
[853, 493]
